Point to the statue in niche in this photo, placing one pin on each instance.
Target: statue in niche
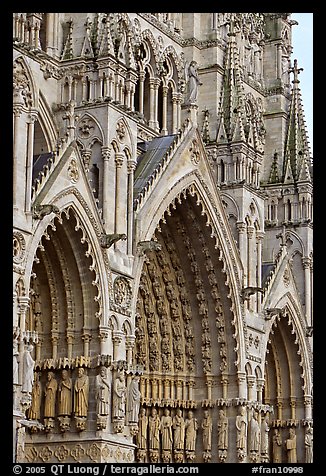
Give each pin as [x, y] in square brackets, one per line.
[264, 436]
[154, 430]
[28, 370]
[193, 81]
[308, 442]
[254, 433]
[291, 446]
[241, 426]
[277, 446]
[34, 411]
[15, 374]
[142, 429]
[207, 426]
[133, 403]
[119, 397]
[222, 431]
[166, 430]
[50, 395]
[102, 392]
[179, 430]
[81, 391]
[64, 394]
[191, 427]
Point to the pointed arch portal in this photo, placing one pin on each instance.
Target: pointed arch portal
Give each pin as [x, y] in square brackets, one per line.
[184, 333]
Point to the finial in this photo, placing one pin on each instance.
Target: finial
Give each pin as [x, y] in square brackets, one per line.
[296, 71]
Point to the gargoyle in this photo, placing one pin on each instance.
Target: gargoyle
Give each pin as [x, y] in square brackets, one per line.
[249, 291]
[108, 240]
[151, 245]
[40, 211]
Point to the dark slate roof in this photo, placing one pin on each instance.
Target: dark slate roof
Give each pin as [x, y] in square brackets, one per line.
[149, 159]
[39, 161]
[267, 268]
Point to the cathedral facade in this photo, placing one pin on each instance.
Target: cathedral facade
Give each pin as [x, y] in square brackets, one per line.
[162, 242]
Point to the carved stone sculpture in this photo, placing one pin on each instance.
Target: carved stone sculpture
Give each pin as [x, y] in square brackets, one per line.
[291, 446]
[119, 397]
[166, 430]
[81, 391]
[193, 82]
[265, 440]
[49, 401]
[154, 429]
[241, 426]
[28, 370]
[34, 411]
[142, 429]
[102, 392]
[277, 446]
[254, 438]
[191, 427]
[179, 430]
[133, 401]
[308, 442]
[167, 438]
[207, 427]
[222, 430]
[64, 401]
[15, 374]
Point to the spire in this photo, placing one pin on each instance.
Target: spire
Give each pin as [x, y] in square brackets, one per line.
[231, 104]
[273, 176]
[297, 153]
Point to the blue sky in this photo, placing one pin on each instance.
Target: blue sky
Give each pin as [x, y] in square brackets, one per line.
[302, 42]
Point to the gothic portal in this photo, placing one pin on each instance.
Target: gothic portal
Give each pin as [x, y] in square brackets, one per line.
[162, 240]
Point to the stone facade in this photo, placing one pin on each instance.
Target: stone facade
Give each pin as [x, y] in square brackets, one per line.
[162, 240]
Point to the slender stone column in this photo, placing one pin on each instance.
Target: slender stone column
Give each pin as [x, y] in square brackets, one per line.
[29, 160]
[259, 238]
[131, 166]
[164, 130]
[251, 268]
[104, 336]
[118, 196]
[152, 121]
[141, 92]
[107, 195]
[17, 109]
[306, 261]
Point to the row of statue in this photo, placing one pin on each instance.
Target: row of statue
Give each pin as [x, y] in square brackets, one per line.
[176, 436]
[64, 399]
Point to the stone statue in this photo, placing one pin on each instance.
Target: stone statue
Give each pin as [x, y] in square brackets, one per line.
[179, 430]
[277, 446]
[102, 392]
[15, 375]
[207, 426]
[254, 433]
[193, 82]
[291, 446]
[142, 429]
[64, 394]
[166, 430]
[191, 428]
[222, 431]
[133, 402]
[81, 391]
[308, 442]
[50, 396]
[264, 436]
[119, 397]
[154, 430]
[34, 411]
[241, 426]
[28, 370]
